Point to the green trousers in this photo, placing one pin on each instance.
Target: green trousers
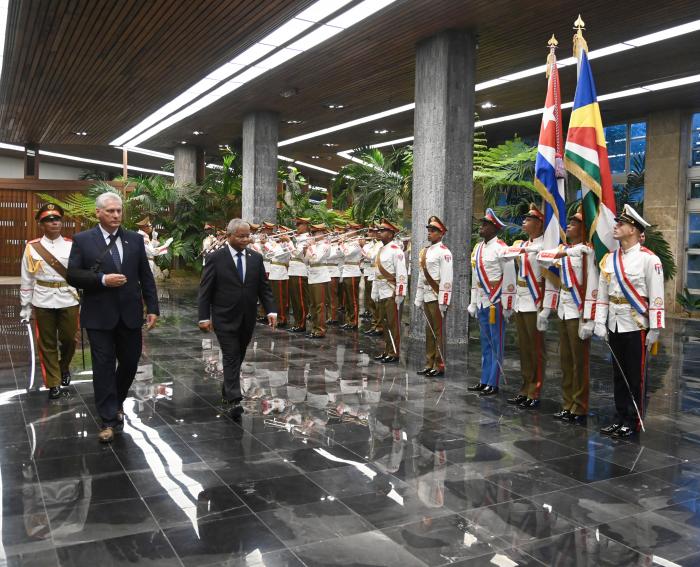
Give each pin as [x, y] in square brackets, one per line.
[56, 334]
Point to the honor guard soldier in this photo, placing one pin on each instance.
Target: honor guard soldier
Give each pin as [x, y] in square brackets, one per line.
[334, 263]
[389, 289]
[370, 249]
[528, 301]
[433, 295]
[298, 275]
[492, 299]
[352, 258]
[574, 303]
[629, 315]
[277, 256]
[44, 288]
[258, 238]
[209, 240]
[316, 251]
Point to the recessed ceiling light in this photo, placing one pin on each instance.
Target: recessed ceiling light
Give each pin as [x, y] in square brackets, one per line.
[80, 133]
[293, 121]
[382, 131]
[334, 106]
[198, 132]
[183, 141]
[487, 105]
[289, 93]
[330, 145]
[315, 157]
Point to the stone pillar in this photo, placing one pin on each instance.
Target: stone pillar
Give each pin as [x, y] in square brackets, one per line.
[665, 186]
[185, 165]
[260, 135]
[442, 163]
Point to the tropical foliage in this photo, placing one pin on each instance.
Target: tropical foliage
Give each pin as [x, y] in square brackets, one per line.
[296, 202]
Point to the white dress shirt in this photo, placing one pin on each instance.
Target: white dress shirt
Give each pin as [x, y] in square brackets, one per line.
[119, 245]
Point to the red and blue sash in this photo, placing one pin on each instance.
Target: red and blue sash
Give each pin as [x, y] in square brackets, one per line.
[494, 294]
[527, 273]
[632, 295]
[571, 282]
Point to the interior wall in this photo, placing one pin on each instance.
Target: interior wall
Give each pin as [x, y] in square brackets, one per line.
[13, 168]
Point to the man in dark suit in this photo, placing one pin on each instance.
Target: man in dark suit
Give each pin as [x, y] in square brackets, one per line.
[232, 282]
[111, 267]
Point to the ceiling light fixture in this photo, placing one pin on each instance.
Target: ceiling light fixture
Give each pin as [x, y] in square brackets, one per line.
[13, 147]
[292, 122]
[334, 106]
[80, 133]
[4, 5]
[197, 132]
[329, 145]
[105, 163]
[183, 142]
[146, 152]
[487, 105]
[312, 166]
[289, 93]
[315, 157]
[382, 131]
[539, 69]
[289, 30]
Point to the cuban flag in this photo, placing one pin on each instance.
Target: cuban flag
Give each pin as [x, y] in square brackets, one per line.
[549, 164]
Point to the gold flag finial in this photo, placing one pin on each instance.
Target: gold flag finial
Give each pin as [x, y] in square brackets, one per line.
[552, 43]
[579, 42]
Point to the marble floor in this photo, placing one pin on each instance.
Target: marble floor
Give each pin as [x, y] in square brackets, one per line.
[339, 460]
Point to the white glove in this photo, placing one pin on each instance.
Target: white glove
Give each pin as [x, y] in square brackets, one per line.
[471, 309]
[542, 317]
[507, 314]
[443, 308]
[601, 330]
[578, 250]
[418, 303]
[585, 330]
[25, 314]
[398, 299]
[652, 337]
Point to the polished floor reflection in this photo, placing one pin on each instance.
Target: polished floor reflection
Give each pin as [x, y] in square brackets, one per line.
[339, 460]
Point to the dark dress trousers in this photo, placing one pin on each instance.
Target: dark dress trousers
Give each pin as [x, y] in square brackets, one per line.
[231, 305]
[112, 316]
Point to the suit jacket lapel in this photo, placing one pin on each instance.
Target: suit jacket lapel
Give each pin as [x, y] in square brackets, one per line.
[231, 263]
[126, 250]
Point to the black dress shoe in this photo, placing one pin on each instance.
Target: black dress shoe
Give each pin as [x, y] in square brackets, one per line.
[65, 378]
[297, 329]
[562, 414]
[424, 371]
[610, 429]
[389, 359]
[476, 387]
[439, 372]
[517, 400]
[379, 356]
[432, 372]
[489, 391]
[623, 432]
[529, 403]
[576, 419]
[375, 333]
[55, 392]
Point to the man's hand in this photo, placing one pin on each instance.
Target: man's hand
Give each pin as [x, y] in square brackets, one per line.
[507, 314]
[542, 322]
[399, 300]
[114, 280]
[272, 320]
[601, 330]
[418, 302]
[652, 337]
[151, 319]
[25, 314]
[205, 326]
[585, 330]
[471, 309]
[443, 308]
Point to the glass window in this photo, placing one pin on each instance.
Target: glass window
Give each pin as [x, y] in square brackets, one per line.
[695, 140]
[694, 263]
[695, 190]
[693, 283]
[638, 138]
[616, 139]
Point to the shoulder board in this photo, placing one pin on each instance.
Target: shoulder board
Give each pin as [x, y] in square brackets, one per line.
[443, 246]
[645, 249]
[604, 261]
[33, 241]
[394, 246]
[500, 242]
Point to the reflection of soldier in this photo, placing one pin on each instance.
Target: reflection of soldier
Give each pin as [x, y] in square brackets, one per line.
[369, 254]
[298, 276]
[43, 287]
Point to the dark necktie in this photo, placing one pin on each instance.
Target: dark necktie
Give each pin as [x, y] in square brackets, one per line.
[239, 265]
[115, 252]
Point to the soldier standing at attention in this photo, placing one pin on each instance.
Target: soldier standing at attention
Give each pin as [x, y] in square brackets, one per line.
[316, 251]
[352, 257]
[370, 249]
[389, 290]
[44, 288]
[492, 299]
[277, 256]
[528, 301]
[433, 294]
[629, 315]
[298, 275]
[574, 302]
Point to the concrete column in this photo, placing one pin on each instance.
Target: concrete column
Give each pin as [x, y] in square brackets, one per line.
[185, 165]
[665, 186]
[260, 135]
[442, 163]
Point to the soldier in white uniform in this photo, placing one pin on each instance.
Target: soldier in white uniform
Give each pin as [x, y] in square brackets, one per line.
[370, 249]
[277, 255]
[629, 315]
[433, 295]
[351, 275]
[298, 275]
[334, 262]
[43, 287]
[574, 303]
[316, 252]
[492, 300]
[209, 240]
[528, 301]
[389, 289]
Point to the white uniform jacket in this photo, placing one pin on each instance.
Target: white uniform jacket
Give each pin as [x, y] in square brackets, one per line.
[491, 269]
[369, 255]
[390, 259]
[35, 272]
[334, 260]
[437, 260]
[352, 258]
[642, 277]
[575, 298]
[297, 267]
[316, 259]
[277, 257]
[530, 285]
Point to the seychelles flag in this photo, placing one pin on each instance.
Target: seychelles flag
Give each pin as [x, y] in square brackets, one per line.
[586, 157]
[549, 167]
